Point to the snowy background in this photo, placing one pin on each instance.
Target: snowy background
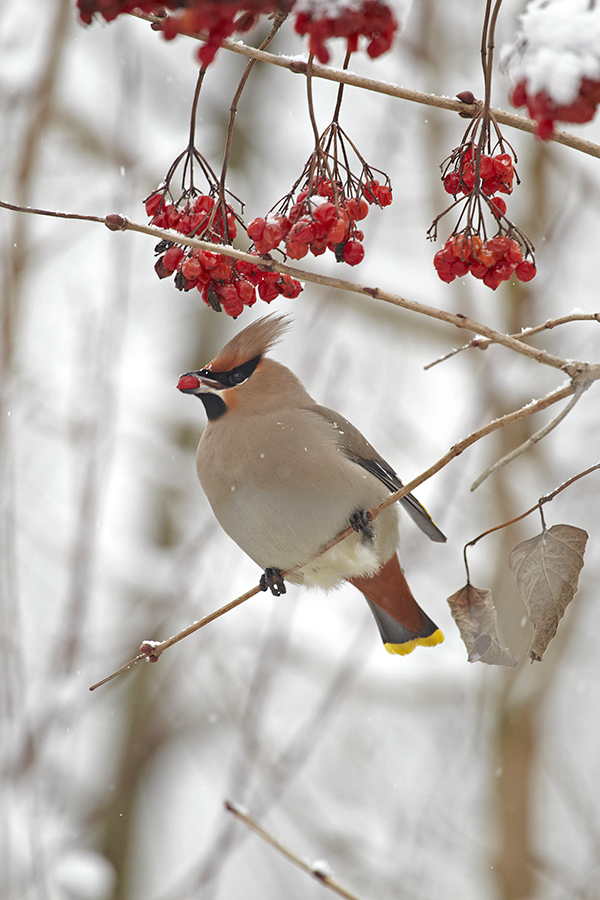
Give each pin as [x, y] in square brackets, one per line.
[418, 777]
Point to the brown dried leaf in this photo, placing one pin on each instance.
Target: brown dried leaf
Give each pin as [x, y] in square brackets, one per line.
[547, 569]
[475, 614]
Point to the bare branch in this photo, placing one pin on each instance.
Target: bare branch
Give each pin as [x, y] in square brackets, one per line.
[317, 869]
[481, 343]
[545, 499]
[381, 87]
[530, 440]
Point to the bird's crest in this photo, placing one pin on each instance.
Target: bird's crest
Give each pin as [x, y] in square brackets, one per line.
[253, 341]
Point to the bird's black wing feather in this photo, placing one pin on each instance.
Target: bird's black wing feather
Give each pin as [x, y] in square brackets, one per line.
[357, 448]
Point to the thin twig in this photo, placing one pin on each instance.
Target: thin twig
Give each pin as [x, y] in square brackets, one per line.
[481, 343]
[382, 87]
[317, 870]
[534, 439]
[457, 449]
[545, 499]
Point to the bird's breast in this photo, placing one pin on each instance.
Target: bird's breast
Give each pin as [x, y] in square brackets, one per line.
[281, 488]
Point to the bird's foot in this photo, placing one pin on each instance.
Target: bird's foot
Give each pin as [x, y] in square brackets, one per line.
[361, 523]
[272, 580]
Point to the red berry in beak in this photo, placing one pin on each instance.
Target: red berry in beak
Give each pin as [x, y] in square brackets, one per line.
[188, 383]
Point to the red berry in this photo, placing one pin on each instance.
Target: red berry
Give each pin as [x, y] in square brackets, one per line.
[325, 215]
[192, 268]
[223, 271]
[303, 231]
[153, 204]
[325, 189]
[317, 248]
[545, 129]
[160, 220]
[478, 269]
[491, 279]
[503, 269]
[518, 95]
[173, 215]
[498, 246]
[357, 209]
[486, 257]
[246, 292]
[296, 249]
[288, 286]
[268, 291]
[172, 258]
[370, 191]
[384, 196]
[446, 274]
[256, 229]
[354, 253]
[498, 206]
[464, 246]
[230, 300]
[185, 226]
[452, 182]
[203, 203]
[486, 166]
[339, 229]
[514, 254]
[441, 260]
[467, 177]
[209, 259]
[503, 165]
[460, 267]
[491, 185]
[525, 270]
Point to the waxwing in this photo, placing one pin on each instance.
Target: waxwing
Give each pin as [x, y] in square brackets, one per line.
[284, 476]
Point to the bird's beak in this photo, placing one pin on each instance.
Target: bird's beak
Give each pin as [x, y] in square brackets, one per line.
[198, 383]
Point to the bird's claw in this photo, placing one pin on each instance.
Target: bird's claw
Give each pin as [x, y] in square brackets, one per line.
[272, 580]
[361, 523]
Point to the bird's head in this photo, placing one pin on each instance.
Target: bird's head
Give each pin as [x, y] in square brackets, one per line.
[218, 383]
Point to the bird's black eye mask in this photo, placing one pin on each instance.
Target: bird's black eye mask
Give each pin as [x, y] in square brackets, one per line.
[234, 377]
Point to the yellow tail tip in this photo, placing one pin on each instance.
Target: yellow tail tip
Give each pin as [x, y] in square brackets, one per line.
[403, 649]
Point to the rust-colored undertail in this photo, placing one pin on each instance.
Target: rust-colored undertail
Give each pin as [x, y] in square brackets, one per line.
[402, 623]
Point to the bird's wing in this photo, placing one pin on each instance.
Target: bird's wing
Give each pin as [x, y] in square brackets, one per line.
[357, 448]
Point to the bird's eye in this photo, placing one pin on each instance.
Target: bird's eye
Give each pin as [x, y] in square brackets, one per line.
[240, 373]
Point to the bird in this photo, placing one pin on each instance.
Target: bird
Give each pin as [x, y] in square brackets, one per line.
[284, 476]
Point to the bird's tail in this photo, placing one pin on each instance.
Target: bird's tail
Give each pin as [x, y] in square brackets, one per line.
[402, 623]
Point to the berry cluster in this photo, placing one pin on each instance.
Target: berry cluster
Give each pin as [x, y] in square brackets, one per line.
[350, 19]
[370, 18]
[223, 282]
[197, 215]
[496, 174]
[545, 111]
[476, 179]
[320, 220]
[493, 261]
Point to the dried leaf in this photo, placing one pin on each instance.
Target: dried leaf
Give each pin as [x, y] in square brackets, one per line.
[475, 614]
[547, 569]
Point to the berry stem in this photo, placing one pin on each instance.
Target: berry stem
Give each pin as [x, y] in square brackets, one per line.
[278, 20]
[338, 102]
[319, 157]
